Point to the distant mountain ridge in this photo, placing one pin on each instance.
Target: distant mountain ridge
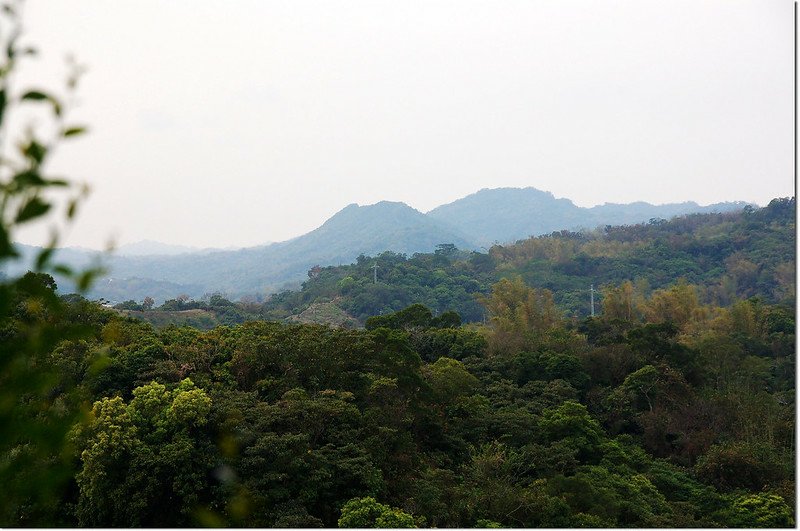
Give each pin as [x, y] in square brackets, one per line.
[505, 215]
[477, 221]
[355, 230]
[150, 248]
[155, 248]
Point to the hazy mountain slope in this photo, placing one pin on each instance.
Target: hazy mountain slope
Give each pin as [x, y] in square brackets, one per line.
[110, 287]
[353, 231]
[137, 288]
[153, 248]
[508, 214]
[150, 247]
[638, 212]
[505, 215]
[76, 257]
[478, 220]
[384, 226]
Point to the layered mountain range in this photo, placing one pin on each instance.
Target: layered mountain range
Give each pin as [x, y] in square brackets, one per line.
[475, 222]
[503, 215]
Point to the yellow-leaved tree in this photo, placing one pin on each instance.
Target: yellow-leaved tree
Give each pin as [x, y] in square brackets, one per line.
[518, 314]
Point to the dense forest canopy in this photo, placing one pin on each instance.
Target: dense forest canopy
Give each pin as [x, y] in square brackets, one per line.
[661, 412]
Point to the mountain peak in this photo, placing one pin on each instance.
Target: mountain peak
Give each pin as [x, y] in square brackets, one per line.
[373, 212]
[507, 214]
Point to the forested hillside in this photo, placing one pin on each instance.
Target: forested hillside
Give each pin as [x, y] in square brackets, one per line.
[661, 412]
[726, 256]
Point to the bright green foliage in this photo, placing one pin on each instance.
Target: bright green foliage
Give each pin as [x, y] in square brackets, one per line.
[497, 487]
[125, 445]
[641, 385]
[456, 343]
[762, 510]
[367, 512]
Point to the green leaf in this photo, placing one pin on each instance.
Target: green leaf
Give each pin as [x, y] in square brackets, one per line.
[32, 209]
[63, 270]
[27, 179]
[34, 151]
[84, 281]
[38, 95]
[44, 257]
[35, 95]
[11, 49]
[72, 208]
[3, 100]
[6, 247]
[73, 131]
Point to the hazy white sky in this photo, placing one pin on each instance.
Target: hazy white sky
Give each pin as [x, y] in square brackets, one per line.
[235, 123]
